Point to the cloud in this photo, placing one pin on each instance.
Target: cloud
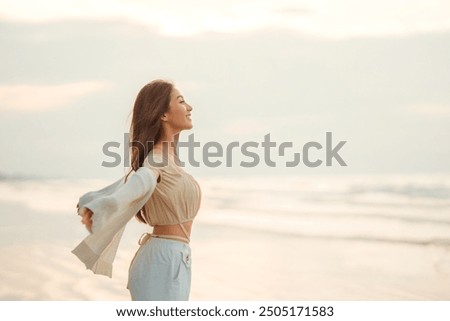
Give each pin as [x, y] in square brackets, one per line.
[321, 18]
[43, 97]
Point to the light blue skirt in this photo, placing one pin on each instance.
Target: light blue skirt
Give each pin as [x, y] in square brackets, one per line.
[161, 271]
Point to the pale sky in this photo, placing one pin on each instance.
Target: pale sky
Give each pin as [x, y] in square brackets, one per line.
[375, 74]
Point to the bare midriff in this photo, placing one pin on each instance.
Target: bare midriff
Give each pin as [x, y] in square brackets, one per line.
[166, 231]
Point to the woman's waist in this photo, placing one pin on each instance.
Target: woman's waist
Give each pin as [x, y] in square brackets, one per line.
[183, 231]
[164, 217]
[172, 227]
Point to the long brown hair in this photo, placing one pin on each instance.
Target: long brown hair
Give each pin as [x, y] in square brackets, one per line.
[146, 128]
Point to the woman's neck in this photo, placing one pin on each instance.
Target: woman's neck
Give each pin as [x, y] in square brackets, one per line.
[166, 146]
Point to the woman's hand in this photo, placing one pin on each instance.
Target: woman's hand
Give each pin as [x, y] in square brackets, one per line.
[86, 218]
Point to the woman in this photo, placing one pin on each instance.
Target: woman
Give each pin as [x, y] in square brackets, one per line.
[159, 193]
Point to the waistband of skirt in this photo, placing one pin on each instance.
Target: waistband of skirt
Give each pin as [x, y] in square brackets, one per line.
[147, 236]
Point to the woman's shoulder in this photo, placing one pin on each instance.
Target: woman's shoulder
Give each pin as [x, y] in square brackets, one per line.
[157, 160]
[157, 157]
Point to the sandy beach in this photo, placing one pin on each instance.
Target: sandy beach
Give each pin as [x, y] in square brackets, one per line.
[232, 259]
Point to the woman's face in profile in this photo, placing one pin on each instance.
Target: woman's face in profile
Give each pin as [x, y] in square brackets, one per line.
[178, 116]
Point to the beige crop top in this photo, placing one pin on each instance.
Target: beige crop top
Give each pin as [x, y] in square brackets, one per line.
[177, 196]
